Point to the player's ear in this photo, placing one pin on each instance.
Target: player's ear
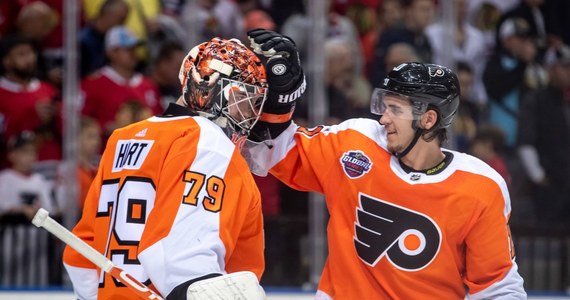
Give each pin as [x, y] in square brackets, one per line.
[429, 119]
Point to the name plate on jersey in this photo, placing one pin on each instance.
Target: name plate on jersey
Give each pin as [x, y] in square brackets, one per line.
[130, 154]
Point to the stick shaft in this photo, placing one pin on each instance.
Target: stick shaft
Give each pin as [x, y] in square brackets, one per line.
[42, 219]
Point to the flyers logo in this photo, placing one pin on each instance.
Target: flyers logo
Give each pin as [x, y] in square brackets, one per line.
[408, 239]
[436, 72]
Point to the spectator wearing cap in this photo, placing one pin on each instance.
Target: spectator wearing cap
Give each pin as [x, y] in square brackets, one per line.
[139, 15]
[22, 192]
[544, 141]
[92, 37]
[531, 11]
[505, 76]
[27, 103]
[107, 89]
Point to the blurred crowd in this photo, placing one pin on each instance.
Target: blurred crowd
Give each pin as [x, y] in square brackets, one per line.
[511, 56]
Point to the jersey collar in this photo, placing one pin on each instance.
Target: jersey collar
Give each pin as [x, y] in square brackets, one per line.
[175, 110]
[15, 87]
[431, 171]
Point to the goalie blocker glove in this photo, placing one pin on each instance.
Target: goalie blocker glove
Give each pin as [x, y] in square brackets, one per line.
[285, 79]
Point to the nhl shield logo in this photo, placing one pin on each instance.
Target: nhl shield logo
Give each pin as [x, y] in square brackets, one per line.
[355, 163]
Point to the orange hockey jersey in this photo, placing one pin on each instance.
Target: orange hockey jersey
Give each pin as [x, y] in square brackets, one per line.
[395, 233]
[172, 201]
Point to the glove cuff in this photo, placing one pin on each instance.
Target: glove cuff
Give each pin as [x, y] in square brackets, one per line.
[277, 118]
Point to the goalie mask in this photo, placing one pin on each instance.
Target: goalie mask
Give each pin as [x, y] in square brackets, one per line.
[225, 82]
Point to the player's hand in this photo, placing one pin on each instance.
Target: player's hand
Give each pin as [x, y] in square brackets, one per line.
[284, 73]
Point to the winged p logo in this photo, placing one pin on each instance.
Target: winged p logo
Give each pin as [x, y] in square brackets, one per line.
[436, 72]
[409, 240]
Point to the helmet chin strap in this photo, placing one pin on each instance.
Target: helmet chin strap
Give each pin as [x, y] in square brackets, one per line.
[419, 132]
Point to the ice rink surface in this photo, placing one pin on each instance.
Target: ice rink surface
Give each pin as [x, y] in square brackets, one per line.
[59, 295]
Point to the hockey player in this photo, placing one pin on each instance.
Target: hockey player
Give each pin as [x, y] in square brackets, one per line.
[171, 204]
[408, 219]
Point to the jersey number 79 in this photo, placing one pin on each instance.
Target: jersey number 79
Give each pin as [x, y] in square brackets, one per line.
[128, 206]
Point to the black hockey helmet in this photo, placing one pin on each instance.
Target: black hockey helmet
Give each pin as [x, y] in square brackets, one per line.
[425, 85]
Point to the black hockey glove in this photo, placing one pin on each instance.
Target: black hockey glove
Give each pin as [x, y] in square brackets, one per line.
[285, 79]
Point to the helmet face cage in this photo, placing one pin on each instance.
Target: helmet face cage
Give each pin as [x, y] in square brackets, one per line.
[223, 78]
[424, 85]
[240, 102]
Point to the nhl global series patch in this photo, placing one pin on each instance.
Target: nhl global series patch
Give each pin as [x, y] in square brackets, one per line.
[355, 163]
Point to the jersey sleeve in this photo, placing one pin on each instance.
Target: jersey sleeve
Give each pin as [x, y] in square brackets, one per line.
[491, 268]
[303, 157]
[206, 215]
[292, 157]
[308, 153]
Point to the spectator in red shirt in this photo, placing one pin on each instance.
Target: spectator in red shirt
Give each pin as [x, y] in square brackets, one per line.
[26, 103]
[111, 86]
[37, 21]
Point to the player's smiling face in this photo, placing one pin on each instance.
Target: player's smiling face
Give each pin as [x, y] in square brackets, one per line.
[397, 117]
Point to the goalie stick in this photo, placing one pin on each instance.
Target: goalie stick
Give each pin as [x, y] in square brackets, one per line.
[42, 219]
